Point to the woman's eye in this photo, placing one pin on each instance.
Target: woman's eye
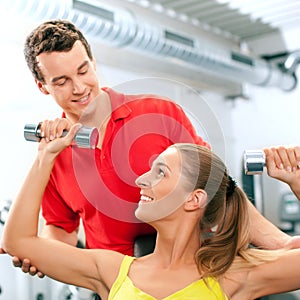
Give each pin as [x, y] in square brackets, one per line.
[161, 172]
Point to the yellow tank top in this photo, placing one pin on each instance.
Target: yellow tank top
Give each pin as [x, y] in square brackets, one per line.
[124, 289]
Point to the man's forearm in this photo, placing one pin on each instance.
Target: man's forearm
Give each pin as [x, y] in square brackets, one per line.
[263, 233]
[296, 189]
[56, 233]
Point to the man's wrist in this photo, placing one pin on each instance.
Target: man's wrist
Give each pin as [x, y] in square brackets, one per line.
[296, 190]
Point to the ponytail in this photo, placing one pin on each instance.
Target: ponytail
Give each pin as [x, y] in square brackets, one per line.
[228, 246]
[220, 248]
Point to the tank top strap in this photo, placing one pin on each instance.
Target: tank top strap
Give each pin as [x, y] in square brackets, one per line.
[125, 265]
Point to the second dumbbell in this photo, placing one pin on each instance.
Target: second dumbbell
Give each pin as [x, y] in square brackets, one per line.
[254, 162]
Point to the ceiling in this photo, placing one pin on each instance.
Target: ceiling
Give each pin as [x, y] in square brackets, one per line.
[198, 42]
[238, 19]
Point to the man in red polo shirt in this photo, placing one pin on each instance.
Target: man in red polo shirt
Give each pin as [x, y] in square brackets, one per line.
[97, 186]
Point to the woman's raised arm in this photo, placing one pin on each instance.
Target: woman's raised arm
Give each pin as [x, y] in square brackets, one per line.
[20, 237]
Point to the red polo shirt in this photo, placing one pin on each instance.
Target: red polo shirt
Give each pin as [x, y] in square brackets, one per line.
[98, 185]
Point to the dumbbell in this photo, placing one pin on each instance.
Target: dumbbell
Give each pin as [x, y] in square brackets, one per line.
[86, 137]
[254, 162]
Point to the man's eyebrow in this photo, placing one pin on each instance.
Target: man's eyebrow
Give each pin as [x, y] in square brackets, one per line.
[55, 79]
[85, 63]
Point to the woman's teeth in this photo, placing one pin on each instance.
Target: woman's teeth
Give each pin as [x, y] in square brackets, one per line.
[146, 198]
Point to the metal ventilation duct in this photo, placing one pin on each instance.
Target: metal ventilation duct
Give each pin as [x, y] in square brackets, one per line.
[122, 28]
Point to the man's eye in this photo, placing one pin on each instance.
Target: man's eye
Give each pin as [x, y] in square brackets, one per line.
[82, 72]
[60, 83]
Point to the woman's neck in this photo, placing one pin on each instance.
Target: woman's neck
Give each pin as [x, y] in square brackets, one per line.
[178, 244]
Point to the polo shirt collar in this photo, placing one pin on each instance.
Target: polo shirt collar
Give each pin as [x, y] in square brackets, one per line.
[120, 110]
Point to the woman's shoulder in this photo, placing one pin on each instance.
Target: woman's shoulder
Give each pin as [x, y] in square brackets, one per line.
[109, 264]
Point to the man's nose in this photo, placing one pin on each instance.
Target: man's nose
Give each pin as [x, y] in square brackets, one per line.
[78, 86]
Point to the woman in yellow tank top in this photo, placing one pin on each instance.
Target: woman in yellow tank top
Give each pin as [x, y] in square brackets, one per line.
[200, 214]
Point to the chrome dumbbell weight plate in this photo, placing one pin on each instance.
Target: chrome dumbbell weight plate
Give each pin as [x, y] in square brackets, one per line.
[254, 162]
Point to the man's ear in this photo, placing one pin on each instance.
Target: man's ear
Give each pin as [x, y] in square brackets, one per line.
[41, 87]
[196, 200]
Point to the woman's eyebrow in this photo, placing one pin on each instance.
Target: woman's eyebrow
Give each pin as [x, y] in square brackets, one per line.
[160, 164]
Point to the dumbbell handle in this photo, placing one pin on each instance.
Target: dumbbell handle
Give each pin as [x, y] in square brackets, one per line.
[86, 137]
[254, 162]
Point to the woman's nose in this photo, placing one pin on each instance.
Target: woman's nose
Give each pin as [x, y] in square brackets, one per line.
[141, 181]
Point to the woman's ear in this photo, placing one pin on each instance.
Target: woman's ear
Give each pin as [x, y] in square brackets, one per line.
[41, 87]
[197, 199]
